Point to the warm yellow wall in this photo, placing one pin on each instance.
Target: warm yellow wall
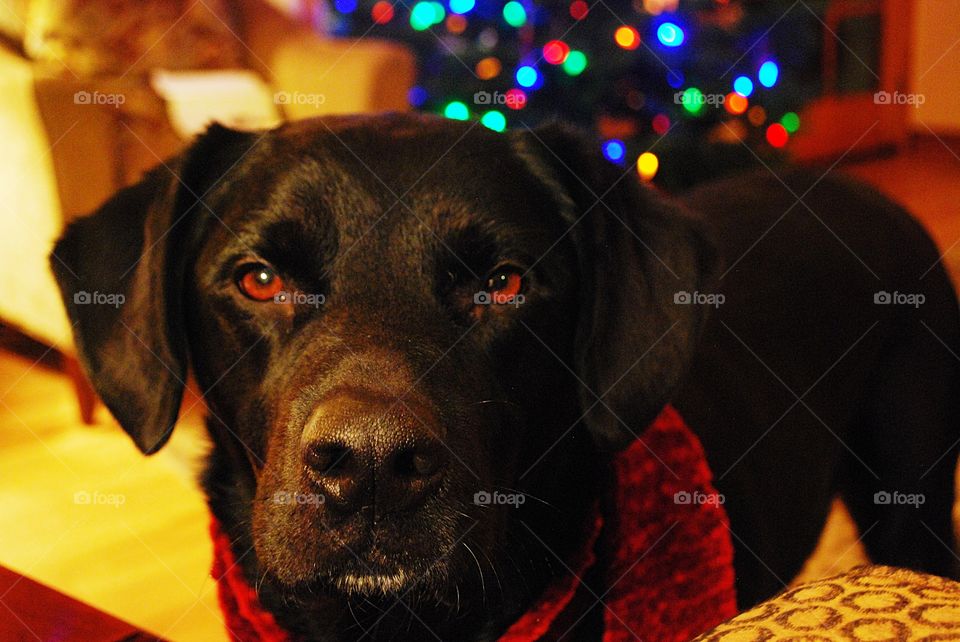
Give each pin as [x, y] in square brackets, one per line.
[936, 66]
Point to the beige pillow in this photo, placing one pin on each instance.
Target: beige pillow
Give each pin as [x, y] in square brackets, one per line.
[867, 603]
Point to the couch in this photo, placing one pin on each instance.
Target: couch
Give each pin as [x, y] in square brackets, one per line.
[68, 145]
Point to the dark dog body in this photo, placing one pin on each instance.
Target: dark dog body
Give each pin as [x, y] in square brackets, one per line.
[878, 383]
[402, 395]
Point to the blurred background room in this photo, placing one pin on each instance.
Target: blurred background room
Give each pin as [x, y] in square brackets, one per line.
[95, 92]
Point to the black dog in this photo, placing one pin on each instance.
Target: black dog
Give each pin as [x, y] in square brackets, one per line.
[398, 312]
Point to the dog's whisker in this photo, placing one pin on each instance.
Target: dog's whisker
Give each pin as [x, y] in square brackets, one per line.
[496, 574]
[531, 496]
[483, 583]
[505, 402]
[353, 615]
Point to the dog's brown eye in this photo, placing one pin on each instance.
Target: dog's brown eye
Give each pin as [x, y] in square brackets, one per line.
[259, 282]
[504, 285]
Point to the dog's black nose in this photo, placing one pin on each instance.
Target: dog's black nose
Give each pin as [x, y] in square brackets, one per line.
[381, 454]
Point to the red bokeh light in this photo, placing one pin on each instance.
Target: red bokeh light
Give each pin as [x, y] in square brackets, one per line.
[777, 136]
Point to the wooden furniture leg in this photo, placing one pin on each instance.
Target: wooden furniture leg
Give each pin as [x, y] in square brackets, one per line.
[86, 397]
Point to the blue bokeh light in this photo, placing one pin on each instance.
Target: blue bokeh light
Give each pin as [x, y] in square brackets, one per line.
[670, 35]
[768, 74]
[743, 86]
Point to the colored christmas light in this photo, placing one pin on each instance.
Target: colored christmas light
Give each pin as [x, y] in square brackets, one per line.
[516, 99]
[670, 35]
[527, 76]
[639, 109]
[488, 68]
[768, 74]
[345, 6]
[777, 136]
[416, 96]
[757, 115]
[462, 6]
[456, 24]
[456, 110]
[424, 15]
[692, 100]
[514, 14]
[647, 165]
[579, 9]
[627, 37]
[555, 52]
[575, 63]
[614, 150]
[494, 120]
[735, 104]
[790, 122]
[743, 86]
[660, 124]
[382, 12]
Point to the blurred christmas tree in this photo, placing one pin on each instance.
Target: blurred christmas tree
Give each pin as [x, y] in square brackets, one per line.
[682, 91]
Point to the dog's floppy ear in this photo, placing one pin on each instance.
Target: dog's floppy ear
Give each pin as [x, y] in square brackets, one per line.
[637, 251]
[121, 272]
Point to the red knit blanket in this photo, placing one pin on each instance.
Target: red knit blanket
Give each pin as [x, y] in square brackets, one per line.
[666, 550]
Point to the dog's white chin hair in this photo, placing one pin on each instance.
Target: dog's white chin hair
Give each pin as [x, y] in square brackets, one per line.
[372, 584]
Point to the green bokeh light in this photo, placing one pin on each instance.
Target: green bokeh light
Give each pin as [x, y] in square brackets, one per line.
[514, 14]
[692, 100]
[575, 63]
[456, 110]
[494, 120]
[790, 122]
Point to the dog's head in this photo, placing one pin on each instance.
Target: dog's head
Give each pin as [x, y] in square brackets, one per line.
[399, 324]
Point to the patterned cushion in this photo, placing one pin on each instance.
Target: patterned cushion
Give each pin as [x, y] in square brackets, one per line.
[867, 603]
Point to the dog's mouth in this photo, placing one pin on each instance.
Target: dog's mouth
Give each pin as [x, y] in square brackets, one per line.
[373, 584]
[368, 565]
[362, 577]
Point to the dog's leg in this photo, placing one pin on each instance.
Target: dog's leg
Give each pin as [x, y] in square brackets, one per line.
[908, 434]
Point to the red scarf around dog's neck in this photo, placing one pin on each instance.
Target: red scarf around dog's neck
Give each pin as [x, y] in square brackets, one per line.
[665, 546]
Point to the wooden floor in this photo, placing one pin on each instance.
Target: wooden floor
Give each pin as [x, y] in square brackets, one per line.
[85, 513]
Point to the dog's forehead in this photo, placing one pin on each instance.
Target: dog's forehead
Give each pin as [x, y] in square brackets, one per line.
[398, 154]
[374, 178]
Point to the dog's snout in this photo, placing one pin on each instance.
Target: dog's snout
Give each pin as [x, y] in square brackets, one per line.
[377, 453]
